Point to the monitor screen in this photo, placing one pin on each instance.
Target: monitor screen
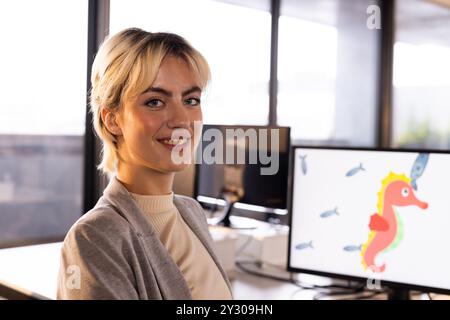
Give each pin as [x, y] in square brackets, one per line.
[371, 214]
[260, 173]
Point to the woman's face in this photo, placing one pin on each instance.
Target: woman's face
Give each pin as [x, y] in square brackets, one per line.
[147, 121]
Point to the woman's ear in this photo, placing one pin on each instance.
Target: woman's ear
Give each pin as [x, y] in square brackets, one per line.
[109, 119]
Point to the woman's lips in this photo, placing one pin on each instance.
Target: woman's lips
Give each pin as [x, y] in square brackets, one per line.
[170, 146]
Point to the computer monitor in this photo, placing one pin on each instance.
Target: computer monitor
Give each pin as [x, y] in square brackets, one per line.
[380, 216]
[243, 169]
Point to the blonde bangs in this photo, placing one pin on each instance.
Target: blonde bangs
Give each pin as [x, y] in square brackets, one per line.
[142, 74]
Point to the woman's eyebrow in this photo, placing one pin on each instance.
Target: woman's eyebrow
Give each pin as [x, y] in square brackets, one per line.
[168, 93]
[191, 90]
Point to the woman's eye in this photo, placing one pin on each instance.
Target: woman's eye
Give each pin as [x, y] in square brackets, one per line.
[405, 192]
[193, 101]
[154, 103]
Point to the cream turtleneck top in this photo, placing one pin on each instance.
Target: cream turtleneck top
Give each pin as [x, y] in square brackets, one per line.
[198, 268]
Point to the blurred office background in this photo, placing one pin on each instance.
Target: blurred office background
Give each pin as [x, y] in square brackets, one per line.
[313, 65]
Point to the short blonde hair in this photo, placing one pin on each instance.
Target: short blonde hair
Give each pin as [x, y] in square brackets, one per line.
[124, 66]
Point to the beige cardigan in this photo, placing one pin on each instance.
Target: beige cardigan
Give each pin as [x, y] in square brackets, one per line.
[113, 252]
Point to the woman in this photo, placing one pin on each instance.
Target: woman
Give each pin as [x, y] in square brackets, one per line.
[141, 241]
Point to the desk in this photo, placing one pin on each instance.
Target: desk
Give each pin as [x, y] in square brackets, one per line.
[32, 269]
[246, 286]
[251, 287]
[35, 268]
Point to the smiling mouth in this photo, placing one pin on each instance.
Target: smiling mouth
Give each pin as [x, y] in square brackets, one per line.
[171, 143]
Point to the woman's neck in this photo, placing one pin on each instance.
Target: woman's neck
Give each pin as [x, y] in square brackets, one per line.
[145, 181]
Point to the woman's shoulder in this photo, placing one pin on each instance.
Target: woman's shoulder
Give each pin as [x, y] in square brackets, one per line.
[185, 198]
[189, 202]
[193, 207]
[101, 222]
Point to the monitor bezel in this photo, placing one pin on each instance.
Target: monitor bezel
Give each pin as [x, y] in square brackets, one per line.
[390, 284]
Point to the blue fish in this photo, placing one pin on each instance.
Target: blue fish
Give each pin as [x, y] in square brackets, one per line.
[418, 168]
[354, 171]
[329, 213]
[304, 168]
[351, 248]
[304, 245]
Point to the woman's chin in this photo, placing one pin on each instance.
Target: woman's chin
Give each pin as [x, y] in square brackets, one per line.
[176, 167]
[180, 167]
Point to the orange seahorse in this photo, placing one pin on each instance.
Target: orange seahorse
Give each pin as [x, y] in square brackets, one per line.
[386, 228]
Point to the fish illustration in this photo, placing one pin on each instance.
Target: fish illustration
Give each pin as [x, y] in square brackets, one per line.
[304, 168]
[418, 168]
[355, 170]
[329, 213]
[352, 247]
[304, 245]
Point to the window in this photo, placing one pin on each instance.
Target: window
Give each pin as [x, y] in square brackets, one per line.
[421, 96]
[234, 39]
[42, 118]
[328, 71]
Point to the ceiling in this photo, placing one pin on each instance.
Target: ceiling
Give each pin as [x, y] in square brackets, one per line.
[420, 21]
[417, 21]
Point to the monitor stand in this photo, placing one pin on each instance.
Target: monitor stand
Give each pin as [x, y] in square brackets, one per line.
[398, 294]
[230, 199]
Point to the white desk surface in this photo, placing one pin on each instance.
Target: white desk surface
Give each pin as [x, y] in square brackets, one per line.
[32, 268]
[252, 287]
[35, 268]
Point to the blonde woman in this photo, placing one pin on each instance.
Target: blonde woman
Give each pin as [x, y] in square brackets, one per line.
[141, 241]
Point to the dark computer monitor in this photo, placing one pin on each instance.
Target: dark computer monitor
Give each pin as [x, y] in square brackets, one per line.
[253, 173]
[380, 216]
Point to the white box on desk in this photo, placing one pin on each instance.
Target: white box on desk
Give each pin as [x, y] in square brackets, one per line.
[266, 244]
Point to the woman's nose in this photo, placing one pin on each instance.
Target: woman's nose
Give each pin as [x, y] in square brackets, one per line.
[178, 117]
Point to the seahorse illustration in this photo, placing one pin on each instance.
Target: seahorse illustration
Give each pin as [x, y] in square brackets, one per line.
[386, 228]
